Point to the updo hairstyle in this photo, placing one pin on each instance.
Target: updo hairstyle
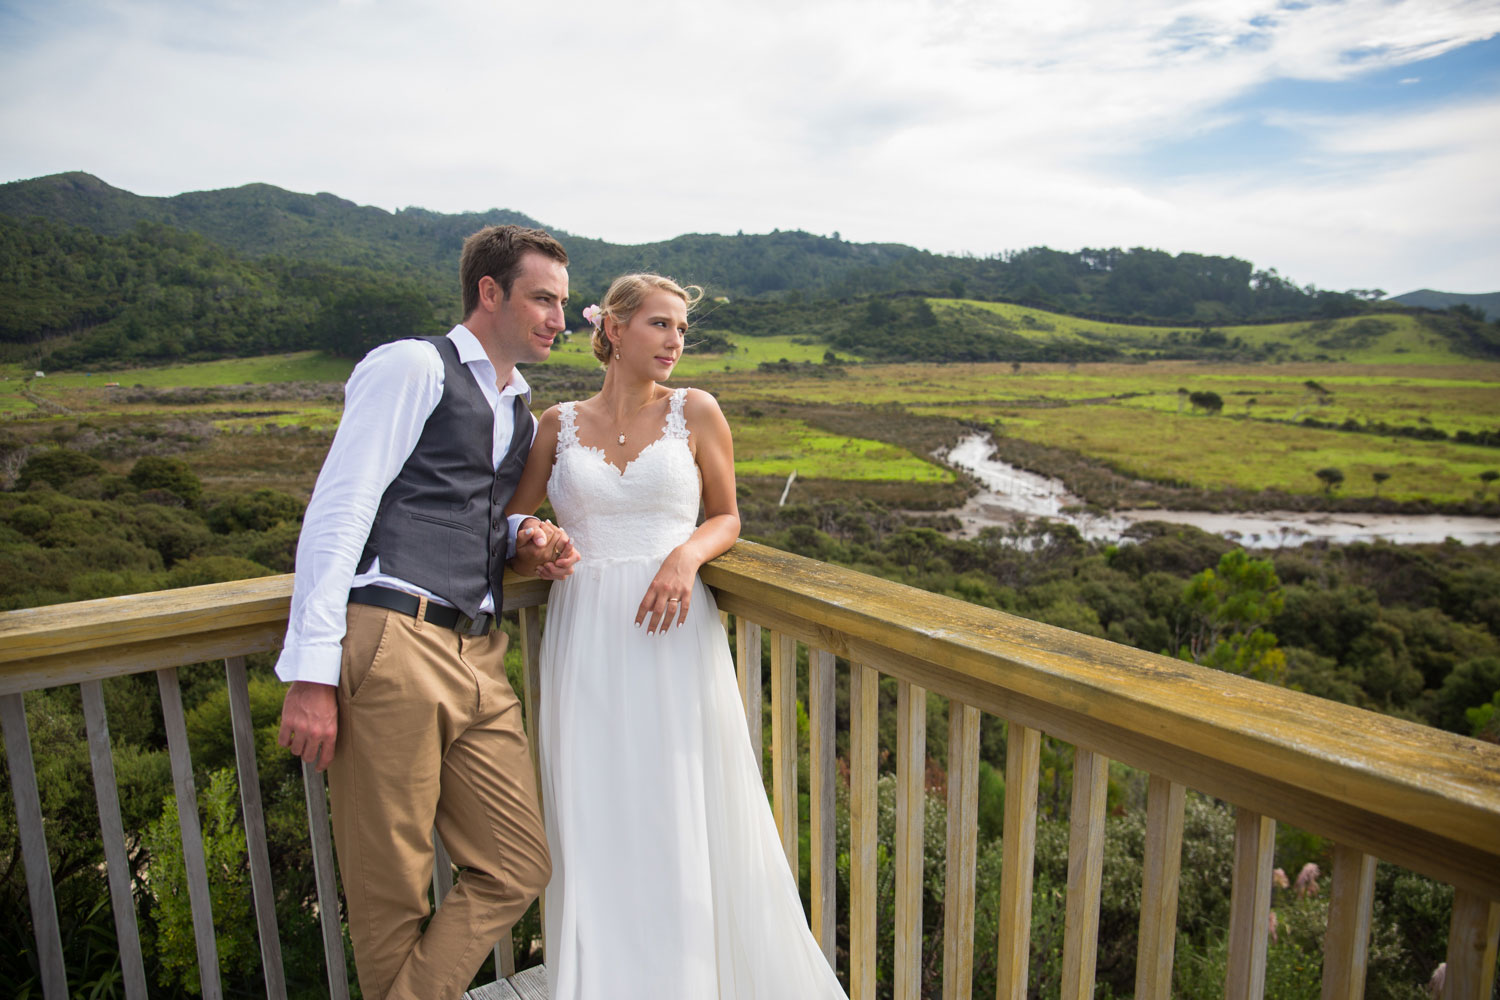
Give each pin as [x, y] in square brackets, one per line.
[625, 295]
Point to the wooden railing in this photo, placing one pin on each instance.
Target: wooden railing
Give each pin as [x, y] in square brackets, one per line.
[1378, 787]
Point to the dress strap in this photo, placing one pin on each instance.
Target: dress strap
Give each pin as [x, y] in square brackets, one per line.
[568, 432]
[676, 421]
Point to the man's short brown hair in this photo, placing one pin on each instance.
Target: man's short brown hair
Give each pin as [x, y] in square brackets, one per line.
[496, 251]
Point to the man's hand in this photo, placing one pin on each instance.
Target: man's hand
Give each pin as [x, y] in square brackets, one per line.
[310, 722]
[543, 549]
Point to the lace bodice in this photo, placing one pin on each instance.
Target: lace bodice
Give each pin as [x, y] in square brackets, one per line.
[647, 510]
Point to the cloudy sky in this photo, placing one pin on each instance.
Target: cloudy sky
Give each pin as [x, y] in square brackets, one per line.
[1347, 143]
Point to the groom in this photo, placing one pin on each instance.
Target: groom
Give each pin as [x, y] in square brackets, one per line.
[396, 666]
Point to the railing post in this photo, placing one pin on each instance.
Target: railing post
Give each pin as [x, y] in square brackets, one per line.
[33, 847]
[1346, 942]
[255, 827]
[194, 863]
[112, 831]
[747, 670]
[911, 808]
[784, 743]
[530, 622]
[824, 862]
[1085, 872]
[864, 707]
[328, 895]
[1165, 801]
[1250, 905]
[1473, 937]
[1023, 757]
[963, 837]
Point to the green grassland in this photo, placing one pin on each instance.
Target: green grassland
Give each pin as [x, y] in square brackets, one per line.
[774, 446]
[1130, 416]
[748, 354]
[1385, 338]
[1204, 452]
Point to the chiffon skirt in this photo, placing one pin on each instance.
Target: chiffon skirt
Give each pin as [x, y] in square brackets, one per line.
[668, 876]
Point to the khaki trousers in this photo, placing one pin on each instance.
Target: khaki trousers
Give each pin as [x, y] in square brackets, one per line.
[430, 735]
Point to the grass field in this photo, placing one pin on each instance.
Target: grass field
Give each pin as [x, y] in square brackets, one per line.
[1383, 338]
[1128, 415]
[1216, 452]
[748, 354]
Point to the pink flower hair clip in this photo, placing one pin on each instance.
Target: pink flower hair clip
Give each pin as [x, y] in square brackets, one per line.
[594, 315]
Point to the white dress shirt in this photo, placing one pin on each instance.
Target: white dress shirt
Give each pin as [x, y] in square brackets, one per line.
[387, 401]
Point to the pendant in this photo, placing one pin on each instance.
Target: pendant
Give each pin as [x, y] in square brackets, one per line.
[621, 439]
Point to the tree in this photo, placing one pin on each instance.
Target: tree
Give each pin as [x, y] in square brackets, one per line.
[1379, 478]
[1225, 611]
[1486, 477]
[1015, 367]
[372, 315]
[1210, 401]
[1331, 478]
[57, 467]
[158, 472]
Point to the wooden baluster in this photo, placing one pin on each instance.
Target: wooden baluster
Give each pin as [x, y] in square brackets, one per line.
[747, 670]
[112, 829]
[963, 841]
[1347, 940]
[1023, 757]
[328, 894]
[911, 805]
[1085, 872]
[784, 743]
[864, 709]
[33, 846]
[1165, 801]
[1250, 905]
[530, 621]
[193, 862]
[1473, 937]
[259, 857]
[821, 716]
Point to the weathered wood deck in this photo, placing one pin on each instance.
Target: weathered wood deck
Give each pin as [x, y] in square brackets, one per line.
[529, 984]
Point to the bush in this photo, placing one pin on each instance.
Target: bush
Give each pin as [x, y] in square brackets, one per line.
[57, 468]
[159, 472]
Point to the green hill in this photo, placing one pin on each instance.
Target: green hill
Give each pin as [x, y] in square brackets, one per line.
[1425, 298]
[92, 275]
[260, 220]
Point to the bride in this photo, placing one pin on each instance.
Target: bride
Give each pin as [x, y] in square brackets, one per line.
[668, 877]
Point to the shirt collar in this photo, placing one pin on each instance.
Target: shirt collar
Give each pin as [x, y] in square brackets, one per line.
[471, 352]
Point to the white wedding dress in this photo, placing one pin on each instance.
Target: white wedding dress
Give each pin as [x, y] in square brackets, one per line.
[669, 882]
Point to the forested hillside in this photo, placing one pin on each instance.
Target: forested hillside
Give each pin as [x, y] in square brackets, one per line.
[91, 274]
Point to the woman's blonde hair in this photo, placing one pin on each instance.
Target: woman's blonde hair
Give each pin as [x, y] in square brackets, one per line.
[625, 295]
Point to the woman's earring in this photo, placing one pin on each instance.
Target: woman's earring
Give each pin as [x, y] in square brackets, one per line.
[617, 354]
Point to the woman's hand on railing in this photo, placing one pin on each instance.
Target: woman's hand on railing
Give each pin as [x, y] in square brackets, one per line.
[310, 722]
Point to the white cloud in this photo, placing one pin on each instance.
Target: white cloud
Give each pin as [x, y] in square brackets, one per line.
[950, 124]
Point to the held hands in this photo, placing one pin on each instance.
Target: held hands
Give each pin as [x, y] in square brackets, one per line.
[310, 722]
[670, 593]
[543, 550]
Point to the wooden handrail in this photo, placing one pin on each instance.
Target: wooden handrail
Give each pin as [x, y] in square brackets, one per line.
[1377, 786]
[1422, 798]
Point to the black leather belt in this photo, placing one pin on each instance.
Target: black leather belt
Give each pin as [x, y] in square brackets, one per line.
[407, 604]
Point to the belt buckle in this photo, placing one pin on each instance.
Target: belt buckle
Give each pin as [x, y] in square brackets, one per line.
[473, 626]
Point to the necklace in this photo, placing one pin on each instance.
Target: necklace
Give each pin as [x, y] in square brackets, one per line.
[621, 439]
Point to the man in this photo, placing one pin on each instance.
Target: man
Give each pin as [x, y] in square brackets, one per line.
[397, 677]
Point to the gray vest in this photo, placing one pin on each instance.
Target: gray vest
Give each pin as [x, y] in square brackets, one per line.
[441, 523]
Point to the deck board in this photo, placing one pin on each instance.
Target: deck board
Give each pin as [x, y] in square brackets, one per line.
[528, 984]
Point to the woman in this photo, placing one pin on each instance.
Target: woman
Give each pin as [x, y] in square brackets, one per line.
[668, 877]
